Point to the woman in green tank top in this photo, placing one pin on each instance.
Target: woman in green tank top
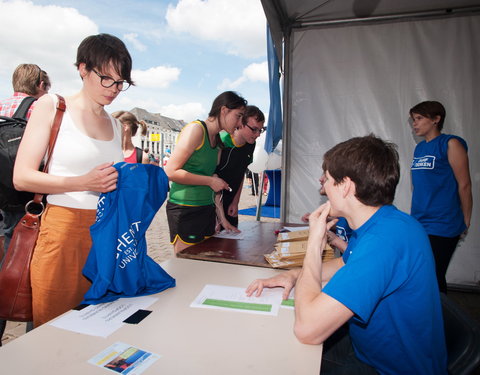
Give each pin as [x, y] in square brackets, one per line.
[190, 207]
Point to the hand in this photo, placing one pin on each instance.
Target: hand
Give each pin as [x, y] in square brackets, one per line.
[463, 235]
[319, 223]
[229, 227]
[232, 210]
[336, 241]
[305, 217]
[286, 280]
[103, 178]
[218, 184]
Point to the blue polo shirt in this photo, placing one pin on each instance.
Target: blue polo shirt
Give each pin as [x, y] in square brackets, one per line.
[389, 283]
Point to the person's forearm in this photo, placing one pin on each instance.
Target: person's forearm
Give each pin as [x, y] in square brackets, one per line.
[309, 283]
[236, 198]
[181, 176]
[310, 277]
[466, 201]
[219, 209]
[43, 183]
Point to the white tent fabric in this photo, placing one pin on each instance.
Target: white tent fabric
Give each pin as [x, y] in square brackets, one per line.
[354, 79]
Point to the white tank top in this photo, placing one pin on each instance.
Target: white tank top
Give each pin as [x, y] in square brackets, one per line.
[76, 154]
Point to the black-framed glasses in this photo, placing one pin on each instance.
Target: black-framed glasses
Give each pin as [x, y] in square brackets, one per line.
[107, 82]
[256, 130]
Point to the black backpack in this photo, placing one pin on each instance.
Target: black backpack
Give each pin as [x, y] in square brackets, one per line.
[11, 132]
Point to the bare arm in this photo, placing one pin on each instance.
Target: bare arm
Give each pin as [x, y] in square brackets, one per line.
[233, 207]
[317, 315]
[27, 177]
[145, 159]
[458, 159]
[191, 137]
[336, 241]
[221, 215]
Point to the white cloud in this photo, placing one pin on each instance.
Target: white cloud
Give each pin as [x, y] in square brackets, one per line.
[253, 73]
[51, 43]
[157, 77]
[187, 111]
[257, 72]
[239, 25]
[133, 38]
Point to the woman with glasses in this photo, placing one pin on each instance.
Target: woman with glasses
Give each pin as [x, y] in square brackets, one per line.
[190, 207]
[89, 143]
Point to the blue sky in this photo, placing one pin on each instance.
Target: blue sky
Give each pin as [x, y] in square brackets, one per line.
[185, 52]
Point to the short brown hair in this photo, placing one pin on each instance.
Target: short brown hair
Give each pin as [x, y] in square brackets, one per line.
[371, 163]
[252, 111]
[26, 79]
[430, 109]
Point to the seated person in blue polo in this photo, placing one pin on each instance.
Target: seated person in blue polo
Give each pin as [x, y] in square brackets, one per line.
[384, 286]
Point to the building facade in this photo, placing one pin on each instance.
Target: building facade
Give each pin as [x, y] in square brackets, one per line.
[161, 135]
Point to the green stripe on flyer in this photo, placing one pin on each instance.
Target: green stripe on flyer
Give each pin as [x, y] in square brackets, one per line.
[288, 302]
[238, 305]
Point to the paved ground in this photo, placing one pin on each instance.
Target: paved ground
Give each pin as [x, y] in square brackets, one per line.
[159, 249]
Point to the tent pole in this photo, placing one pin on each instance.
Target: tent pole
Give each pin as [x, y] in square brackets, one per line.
[259, 200]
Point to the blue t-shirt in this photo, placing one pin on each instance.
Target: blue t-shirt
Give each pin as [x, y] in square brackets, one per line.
[435, 200]
[389, 283]
[342, 229]
[118, 264]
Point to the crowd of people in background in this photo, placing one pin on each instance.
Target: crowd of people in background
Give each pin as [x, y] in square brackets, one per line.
[369, 286]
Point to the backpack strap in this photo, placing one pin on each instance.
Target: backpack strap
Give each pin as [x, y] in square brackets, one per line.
[23, 108]
[139, 154]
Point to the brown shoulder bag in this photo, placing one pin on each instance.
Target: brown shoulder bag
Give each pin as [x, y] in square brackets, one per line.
[15, 287]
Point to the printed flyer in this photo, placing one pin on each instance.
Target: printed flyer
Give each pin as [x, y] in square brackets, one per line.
[124, 359]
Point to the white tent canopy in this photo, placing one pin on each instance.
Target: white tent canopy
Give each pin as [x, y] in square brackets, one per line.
[356, 67]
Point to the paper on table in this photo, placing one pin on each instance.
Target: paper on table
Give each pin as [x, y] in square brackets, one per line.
[104, 318]
[234, 299]
[123, 358]
[289, 303]
[230, 235]
[296, 229]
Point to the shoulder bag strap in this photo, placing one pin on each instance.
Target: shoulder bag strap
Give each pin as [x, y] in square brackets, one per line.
[53, 138]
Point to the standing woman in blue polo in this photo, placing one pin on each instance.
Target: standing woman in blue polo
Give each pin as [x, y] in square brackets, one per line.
[442, 189]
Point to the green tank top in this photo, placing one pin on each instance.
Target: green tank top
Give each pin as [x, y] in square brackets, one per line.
[203, 162]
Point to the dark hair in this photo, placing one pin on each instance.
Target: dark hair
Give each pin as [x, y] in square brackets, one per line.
[98, 51]
[253, 111]
[371, 163]
[229, 99]
[430, 109]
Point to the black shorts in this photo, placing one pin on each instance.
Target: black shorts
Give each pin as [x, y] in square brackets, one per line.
[192, 224]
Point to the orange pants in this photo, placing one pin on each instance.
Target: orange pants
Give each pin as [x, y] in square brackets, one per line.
[60, 254]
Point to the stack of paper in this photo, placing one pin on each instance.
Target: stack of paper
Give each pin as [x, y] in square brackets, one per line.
[290, 250]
